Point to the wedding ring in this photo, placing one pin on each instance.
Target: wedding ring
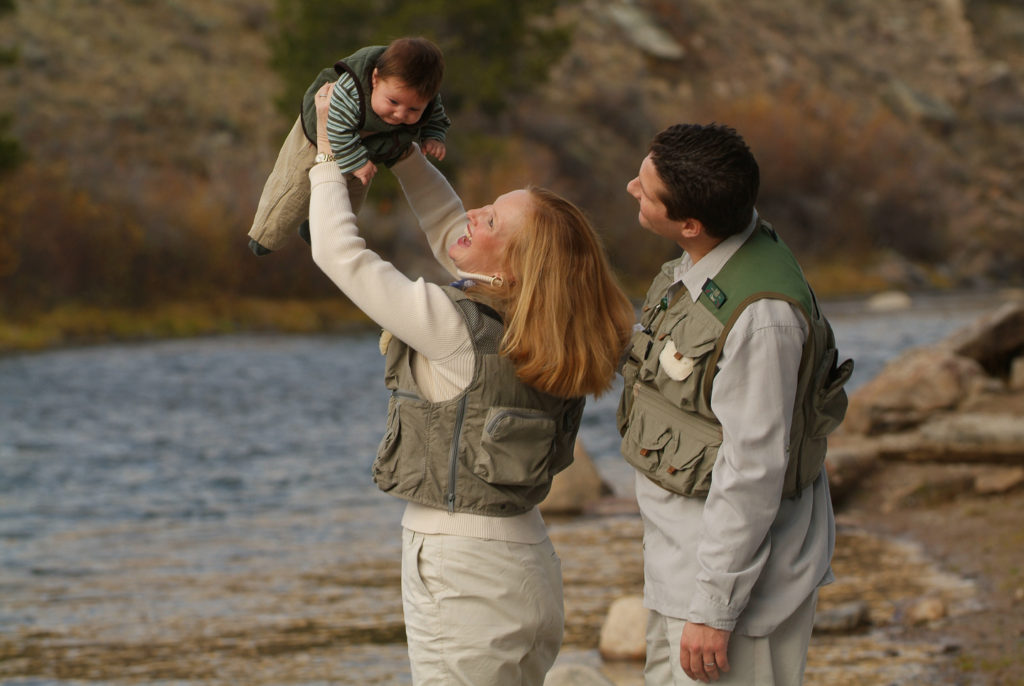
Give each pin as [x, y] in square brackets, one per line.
[709, 664]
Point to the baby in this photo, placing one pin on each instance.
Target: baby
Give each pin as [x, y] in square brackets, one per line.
[384, 98]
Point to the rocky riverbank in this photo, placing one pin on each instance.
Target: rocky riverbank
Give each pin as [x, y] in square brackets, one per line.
[933, 452]
[928, 560]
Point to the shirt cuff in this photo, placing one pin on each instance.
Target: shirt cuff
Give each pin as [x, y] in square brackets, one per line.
[704, 610]
[325, 171]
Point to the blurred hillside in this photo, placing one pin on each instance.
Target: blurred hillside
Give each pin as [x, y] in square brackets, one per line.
[889, 135]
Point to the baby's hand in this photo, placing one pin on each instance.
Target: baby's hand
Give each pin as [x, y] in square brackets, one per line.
[434, 148]
[366, 173]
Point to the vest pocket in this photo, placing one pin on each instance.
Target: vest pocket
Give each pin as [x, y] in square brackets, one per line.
[516, 446]
[674, 449]
[385, 463]
[625, 407]
[829, 400]
[390, 470]
[677, 362]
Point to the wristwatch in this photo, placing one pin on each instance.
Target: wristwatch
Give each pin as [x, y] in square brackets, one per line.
[323, 157]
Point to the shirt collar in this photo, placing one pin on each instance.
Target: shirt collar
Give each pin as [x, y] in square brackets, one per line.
[693, 275]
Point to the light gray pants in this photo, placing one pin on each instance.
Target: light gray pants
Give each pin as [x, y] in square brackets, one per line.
[480, 612]
[284, 204]
[777, 659]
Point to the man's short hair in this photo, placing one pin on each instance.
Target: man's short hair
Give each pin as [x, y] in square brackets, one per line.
[709, 174]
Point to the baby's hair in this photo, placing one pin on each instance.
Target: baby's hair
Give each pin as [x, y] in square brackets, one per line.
[416, 62]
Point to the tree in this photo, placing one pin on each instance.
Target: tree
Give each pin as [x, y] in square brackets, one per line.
[11, 153]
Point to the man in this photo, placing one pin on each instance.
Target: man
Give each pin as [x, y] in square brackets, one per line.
[730, 389]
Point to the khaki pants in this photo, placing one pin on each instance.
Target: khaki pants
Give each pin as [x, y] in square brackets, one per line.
[777, 659]
[480, 612]
[284, 204]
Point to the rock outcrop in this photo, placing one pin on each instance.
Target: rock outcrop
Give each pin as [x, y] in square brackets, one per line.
[576, 487]
[623, 634]
[959, 401]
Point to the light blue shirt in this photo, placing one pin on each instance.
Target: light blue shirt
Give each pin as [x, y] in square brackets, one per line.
[743, 559]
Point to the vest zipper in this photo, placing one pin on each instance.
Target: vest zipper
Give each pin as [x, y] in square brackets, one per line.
[453, 458]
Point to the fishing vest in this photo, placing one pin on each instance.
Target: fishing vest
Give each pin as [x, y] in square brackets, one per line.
[386, 142]
[491, 450]
[669, 431]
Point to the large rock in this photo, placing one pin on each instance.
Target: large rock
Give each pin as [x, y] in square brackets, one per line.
[575, 487]
[967, 437]
[910, 389]
[644, 32]
[994, 340]
[624, 632]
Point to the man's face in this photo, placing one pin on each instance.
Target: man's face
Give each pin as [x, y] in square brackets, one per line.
[648, 189]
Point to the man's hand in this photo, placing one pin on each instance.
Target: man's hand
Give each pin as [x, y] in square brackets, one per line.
[366, 173]
[434, 148]
[702, 652]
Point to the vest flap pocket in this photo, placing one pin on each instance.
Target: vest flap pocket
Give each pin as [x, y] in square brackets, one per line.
[675, 449]
[694, 336]
[385, 463]
[516, 444]
[646, 438]
[688, 469]
[677, 362]
[830, 399]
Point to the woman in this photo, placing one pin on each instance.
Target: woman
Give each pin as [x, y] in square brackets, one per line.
[487, 378]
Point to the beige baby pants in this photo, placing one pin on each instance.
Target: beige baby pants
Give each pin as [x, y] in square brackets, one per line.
[284, 204]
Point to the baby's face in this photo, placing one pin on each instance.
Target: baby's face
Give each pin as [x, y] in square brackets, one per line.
[394, 102]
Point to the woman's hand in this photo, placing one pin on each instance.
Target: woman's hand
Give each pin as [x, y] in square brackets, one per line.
[323, 104]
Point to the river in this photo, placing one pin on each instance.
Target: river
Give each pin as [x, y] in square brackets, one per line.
[200, 511]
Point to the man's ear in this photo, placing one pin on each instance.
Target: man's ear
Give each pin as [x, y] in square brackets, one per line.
[691, 228]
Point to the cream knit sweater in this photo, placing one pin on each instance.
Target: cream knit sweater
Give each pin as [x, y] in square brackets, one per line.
[416, 312]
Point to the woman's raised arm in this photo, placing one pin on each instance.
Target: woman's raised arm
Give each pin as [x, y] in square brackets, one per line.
[438, 209]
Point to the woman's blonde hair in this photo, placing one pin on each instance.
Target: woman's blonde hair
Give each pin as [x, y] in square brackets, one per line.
[567, 321]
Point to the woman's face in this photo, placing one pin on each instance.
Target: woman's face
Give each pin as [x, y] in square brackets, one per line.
[481, 250]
